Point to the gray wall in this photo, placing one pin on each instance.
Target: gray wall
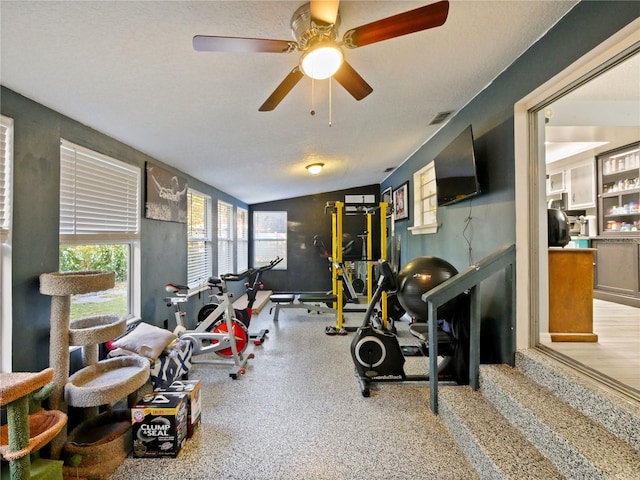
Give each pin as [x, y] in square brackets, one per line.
[37, 133]
[306, 270]
[493, 214]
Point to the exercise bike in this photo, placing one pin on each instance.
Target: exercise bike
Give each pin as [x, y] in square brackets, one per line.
[243, 314]
[220, 332]
[378, 356]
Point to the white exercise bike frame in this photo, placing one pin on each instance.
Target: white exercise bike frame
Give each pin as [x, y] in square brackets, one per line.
[218, 341]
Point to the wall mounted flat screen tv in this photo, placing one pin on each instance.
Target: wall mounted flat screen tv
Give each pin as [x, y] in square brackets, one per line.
[455, 166]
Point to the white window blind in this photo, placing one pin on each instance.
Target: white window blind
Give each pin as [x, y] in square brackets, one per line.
[242, 227]
[225, 238]
[6, 154]
[99, 196]
[199, 249]
[269, 238]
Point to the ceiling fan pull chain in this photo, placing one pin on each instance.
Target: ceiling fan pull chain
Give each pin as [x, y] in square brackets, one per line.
[313, 110]
[329, 101]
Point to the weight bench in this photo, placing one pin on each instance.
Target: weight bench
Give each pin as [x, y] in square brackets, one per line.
[308, 301]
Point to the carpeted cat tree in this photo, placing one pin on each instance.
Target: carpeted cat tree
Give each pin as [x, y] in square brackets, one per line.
[102, 441]
[29, 427]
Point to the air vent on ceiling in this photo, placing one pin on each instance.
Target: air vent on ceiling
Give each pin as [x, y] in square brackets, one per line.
[440, 117]
[389, 169]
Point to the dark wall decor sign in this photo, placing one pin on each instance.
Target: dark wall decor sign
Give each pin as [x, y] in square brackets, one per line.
[166, 195]
[401, 201]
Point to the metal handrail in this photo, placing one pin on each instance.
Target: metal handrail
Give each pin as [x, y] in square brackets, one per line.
[469, 280]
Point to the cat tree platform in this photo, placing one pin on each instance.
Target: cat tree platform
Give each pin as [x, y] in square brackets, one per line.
[106, 381]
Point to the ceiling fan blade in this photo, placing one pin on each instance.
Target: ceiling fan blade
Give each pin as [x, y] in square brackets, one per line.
[204, 43]
[352, 81]
[422, 18]
[282, 90]
[326, 11]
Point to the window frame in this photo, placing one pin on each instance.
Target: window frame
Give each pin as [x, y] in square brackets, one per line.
[198, 279]
[261, 234]
[6, 218]
[75, 231]
[226, 237]
[242, 239]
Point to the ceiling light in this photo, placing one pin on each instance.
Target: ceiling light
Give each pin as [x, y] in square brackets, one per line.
[314, 168]
[321, 61]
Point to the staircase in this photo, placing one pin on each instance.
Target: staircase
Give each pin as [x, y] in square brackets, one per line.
[543, 420]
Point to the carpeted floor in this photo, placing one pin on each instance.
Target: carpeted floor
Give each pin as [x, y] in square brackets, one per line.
[298, 414]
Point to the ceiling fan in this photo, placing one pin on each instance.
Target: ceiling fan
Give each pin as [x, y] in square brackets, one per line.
[315, 28]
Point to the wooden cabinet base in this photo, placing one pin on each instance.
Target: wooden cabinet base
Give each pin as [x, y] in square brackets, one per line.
[574, 337]
[571, 295]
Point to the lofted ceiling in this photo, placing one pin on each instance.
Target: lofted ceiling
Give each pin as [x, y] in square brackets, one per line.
[129, 69]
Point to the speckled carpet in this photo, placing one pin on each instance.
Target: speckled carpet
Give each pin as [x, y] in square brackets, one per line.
[298, 414]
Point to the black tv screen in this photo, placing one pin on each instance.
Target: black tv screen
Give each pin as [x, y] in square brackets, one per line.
[455, 166]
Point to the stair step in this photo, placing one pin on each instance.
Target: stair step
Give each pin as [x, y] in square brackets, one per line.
[493, 446]
[618, 414]
[577, 445]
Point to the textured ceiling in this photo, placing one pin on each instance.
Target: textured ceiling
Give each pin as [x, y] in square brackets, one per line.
[128, 69]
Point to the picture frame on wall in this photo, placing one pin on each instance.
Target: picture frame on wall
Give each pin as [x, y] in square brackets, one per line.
[387, 197]
[166, 195]
[401, 201]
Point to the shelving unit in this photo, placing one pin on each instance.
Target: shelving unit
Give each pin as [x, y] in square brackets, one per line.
[618, 244]
[619, 191]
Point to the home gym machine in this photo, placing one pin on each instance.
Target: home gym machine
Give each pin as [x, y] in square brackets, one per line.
[376, 352]
[242, 314]
[220, 332]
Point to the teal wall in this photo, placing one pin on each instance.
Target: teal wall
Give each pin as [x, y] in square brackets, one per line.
[37, 133]
[493, 214]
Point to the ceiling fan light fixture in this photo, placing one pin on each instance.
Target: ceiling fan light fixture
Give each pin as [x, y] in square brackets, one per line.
[321, 61]
[314, 168]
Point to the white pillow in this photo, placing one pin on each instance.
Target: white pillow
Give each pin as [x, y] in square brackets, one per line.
[146, 340]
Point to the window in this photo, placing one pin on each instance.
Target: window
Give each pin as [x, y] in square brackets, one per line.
[425, 201]
[242, 228]
[6, 162]
[225, 238]
[269, 238]
[99, 227]
[199, 250]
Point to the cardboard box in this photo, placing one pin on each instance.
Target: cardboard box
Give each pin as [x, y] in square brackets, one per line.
[159, 425]
[193, 389]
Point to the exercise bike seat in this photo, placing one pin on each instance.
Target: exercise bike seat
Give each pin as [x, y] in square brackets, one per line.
[176, 289]
[214, 281]
[421, 332]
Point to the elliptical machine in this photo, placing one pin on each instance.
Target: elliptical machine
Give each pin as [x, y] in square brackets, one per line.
[378, 356]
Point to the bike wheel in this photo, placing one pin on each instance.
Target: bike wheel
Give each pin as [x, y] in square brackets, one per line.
[239, 332]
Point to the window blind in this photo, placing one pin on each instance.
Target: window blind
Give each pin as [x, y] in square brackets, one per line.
[242, 257]
[6, 151]
[199, 251]
[99, 196]
[225, 238]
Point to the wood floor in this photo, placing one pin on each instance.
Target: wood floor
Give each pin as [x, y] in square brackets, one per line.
[617, 352]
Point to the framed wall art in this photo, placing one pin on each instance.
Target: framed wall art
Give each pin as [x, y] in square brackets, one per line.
[401, 201]
[166, 195]
[387, 197]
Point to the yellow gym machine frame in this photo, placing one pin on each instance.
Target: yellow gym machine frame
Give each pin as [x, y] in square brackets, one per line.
[337, 265]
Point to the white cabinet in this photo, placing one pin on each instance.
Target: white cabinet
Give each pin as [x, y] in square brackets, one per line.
[582, 186]
[555, 183]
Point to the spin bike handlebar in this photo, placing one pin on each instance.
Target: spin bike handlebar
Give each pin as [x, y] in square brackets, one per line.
[236, 277]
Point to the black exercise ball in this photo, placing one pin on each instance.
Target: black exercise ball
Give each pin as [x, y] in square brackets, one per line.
[418, 277]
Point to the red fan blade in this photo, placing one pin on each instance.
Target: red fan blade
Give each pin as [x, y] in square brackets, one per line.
[326, 11]
[352, 81]
[282, 90]
[422, 18]
[204, 43]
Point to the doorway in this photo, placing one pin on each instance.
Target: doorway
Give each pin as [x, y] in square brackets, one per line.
[576, 112]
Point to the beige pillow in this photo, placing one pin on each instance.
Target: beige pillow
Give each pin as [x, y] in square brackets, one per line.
[146, 340]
